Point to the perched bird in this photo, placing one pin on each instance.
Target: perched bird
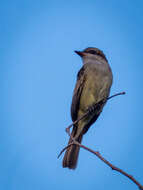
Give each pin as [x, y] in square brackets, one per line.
[93, 84]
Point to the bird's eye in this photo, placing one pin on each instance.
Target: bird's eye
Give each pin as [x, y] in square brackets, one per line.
[92, 52]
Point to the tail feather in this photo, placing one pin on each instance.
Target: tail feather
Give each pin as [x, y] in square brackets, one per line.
[71, 155]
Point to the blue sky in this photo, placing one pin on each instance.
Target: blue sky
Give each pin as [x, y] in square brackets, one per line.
[38, 70]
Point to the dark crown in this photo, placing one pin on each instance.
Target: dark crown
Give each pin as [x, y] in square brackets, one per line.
[95, 51]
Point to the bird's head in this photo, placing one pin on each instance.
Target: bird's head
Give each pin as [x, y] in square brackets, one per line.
[92, 54]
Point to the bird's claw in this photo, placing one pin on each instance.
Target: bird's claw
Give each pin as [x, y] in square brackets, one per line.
[91, 109]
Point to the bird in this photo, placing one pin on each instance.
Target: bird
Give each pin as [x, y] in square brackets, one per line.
[94, 81]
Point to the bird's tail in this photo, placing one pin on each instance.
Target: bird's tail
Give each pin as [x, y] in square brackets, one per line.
[71, 154]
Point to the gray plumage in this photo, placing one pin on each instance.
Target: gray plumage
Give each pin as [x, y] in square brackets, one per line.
[93, 84]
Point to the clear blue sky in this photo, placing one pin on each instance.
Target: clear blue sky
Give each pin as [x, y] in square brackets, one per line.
[38, 70]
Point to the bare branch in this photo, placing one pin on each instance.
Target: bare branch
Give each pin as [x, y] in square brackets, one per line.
[96, 152]
[65, 148]
[93, 107]
[111, 165]
[106, 162]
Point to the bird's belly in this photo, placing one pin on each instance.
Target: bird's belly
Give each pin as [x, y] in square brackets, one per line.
[89, 96]
[96, 87]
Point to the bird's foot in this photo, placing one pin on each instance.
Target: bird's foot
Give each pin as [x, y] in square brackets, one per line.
[91, 109]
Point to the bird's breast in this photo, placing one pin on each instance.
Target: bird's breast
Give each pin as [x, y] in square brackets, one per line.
[96, 87]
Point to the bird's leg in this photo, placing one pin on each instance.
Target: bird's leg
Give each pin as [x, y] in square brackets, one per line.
[91, 109]
[95, 107]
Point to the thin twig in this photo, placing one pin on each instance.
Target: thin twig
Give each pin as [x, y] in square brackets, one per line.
[86, 113]
[107, 162]
[96, 152]
[111, 165]
[65, 148]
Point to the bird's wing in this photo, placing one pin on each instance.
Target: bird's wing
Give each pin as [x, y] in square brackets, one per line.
[81, 77]
[77, 93]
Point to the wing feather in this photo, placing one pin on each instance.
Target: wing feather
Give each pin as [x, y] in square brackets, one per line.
[77, 93]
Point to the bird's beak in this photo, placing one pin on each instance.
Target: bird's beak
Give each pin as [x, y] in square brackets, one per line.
[80, 53]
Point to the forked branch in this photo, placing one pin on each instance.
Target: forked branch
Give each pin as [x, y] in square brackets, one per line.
[96, 152]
